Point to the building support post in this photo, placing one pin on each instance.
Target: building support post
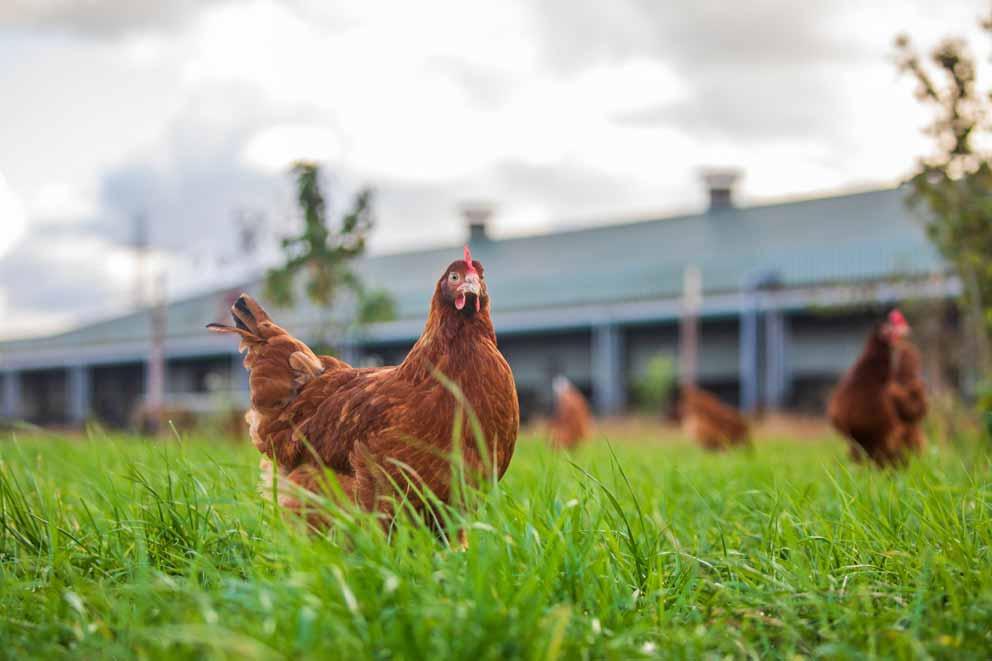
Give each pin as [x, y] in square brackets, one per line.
[12, 403]
[749, 353]
[759, 366]
[80, 394]
[692, 300]
[777, 378]
[609, 391]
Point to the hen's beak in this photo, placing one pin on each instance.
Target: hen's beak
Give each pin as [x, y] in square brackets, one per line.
[471, 286]
[896, 332]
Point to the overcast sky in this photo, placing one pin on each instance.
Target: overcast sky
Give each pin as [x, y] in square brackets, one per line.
[561, 112]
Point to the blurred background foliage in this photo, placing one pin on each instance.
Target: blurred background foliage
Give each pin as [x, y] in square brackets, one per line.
[653, 387]
[324, 250]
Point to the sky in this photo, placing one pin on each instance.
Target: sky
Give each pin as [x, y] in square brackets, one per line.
[559, 113]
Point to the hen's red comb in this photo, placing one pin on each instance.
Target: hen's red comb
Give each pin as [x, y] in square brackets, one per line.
[468, 260]
[897, 319]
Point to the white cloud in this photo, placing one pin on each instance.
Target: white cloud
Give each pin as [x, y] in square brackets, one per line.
[558, 111]
[98, 18]
[52, 278]
[63, 203]
[275, 148]
[13, 219]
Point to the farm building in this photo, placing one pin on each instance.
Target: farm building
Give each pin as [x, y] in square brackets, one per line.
[790, 290]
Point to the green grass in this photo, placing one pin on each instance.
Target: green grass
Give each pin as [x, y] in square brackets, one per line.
[123, 548]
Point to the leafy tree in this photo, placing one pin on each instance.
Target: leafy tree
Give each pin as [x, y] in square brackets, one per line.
[653, 386]
[375, 306]
[323, 252]
[954, 183]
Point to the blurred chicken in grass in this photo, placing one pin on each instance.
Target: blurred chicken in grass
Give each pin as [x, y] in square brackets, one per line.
[713, 424]
[880, 403]
[572, 422]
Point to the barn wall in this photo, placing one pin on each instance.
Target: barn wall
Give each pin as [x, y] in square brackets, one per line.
[200, 375]
[719, 353]
[117, 392]
[818, 348]
[826, 345]
[536, 359]
[44, 397]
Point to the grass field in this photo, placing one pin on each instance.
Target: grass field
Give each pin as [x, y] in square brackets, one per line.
[117, 547]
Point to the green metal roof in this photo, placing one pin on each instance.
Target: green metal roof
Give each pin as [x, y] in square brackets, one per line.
[843, 239]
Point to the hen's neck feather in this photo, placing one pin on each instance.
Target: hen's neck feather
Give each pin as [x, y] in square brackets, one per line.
[452, 340]
[876, 359]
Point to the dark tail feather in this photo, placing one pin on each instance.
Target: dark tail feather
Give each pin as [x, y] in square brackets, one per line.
[247, 315]
[224, 328]
[244, 313]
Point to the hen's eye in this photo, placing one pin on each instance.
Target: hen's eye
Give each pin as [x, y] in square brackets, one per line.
[453, 276]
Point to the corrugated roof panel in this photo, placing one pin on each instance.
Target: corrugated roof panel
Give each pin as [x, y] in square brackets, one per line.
[865, 236]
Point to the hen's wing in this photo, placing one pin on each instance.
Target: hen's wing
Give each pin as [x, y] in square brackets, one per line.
[907, 390]
[909, 401]
[281, 368]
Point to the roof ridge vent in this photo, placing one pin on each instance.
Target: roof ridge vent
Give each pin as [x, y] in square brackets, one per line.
[477, 215]
[720, 184]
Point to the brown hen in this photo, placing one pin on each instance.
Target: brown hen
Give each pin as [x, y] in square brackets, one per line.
[879, 404]
[571, 422]
[388, 432]
[713, 424]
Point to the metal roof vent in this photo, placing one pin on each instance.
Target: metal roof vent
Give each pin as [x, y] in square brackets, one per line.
[720, 184]
[477, 215]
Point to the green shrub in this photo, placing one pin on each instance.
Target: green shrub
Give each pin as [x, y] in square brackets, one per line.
[653, 386]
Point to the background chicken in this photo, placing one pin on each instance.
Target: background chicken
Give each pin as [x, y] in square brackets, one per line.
[880, 402]
[379, 429]
[571, 422]
[713, 424]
